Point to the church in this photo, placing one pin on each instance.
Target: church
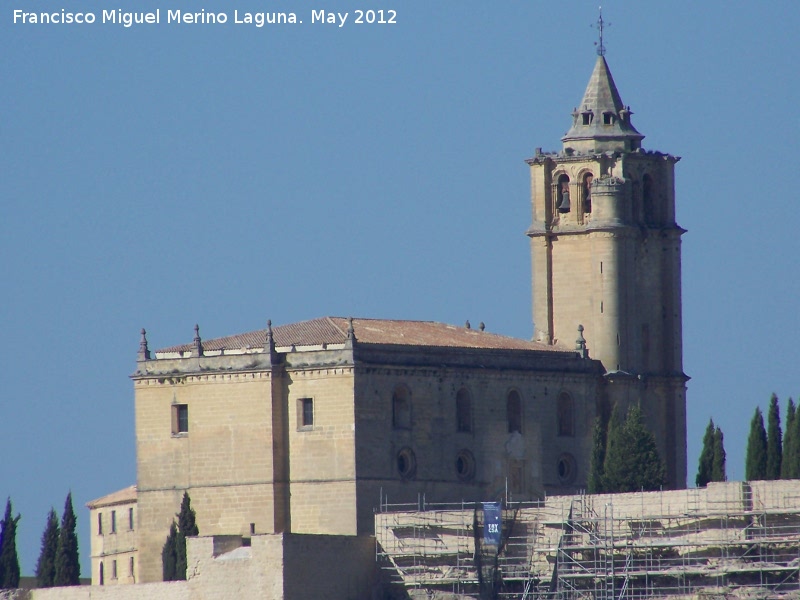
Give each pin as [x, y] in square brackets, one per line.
[305, 428]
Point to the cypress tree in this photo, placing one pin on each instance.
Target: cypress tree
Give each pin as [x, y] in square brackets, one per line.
[595, 479]
[46, 565]
[793, 470]
[774, 439]
[756, 462]
[718, 460]
[9, 561]
[705, 464]
[68, 566]
[789, 457]
[632, 461]
[187, 527]
[169, 559]
[611, 466]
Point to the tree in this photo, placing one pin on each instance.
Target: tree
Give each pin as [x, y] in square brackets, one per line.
[595, 479]
[9, 561]
[46, 565]
[68, 567]
[774, 439]
[632, 461]
[718, 460]
[169, 559]
[756, 462]
[706, 462]
[789, 461]
[187, 527]
[173, 554]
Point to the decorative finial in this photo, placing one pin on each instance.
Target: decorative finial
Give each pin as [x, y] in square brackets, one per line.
[601, 49]
[144, 351]
[198, 344]
[580, 343]
[482, 326]
[351, 334]
[269, 344]
[467, 325]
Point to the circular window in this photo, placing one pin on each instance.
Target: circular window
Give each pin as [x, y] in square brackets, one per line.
[465, 465]
[566, 468]
[406, 463]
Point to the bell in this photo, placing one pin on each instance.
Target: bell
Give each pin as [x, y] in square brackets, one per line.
[563, 206]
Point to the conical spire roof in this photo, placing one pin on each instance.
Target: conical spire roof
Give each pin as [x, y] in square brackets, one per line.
[602, 122]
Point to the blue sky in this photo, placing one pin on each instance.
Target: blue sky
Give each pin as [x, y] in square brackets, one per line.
[162, 175]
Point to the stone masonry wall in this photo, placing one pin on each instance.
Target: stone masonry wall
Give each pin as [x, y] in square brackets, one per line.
[528, 460]
[322, 467]
[224, 460]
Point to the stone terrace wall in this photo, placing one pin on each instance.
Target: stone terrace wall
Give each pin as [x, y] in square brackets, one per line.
[273, 567]
[175, 590]
[333, 567]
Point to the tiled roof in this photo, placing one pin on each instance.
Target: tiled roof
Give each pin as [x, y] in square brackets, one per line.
[333, 330]
[119, 497]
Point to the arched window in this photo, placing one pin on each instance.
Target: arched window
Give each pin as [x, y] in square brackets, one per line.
[562, 194]
[102, 574]
[401, 408]
[586, 192]
[463, 411]
[565, 413]
[514, 412]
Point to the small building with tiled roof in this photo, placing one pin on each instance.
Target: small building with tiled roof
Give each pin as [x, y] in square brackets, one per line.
[113, 539]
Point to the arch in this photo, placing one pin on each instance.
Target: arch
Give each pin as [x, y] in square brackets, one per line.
[514, 411]
[563, 203]
[565, 410]
[463, 411]
[401, 408]
[585, 192]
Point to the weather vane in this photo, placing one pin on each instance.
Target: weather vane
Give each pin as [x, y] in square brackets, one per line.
[601, 49]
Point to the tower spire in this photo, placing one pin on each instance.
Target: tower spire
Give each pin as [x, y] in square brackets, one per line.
[602, 122]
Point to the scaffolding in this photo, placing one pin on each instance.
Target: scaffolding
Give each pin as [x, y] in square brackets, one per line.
[731, 540]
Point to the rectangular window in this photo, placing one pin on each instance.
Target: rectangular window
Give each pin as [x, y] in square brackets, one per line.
[113, 569]
[180, 418]
[113, 521]
[99, 523]
[130, 518]
[305, 413]
[131, 567]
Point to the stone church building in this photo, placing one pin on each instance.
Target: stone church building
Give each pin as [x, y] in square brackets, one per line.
[303, 428]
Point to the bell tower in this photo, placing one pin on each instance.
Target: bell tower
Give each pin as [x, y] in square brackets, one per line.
[605, 251]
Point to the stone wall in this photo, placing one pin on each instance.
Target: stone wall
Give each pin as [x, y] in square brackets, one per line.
[273, 567]
[322, 462]
[224, 459]
[526, 462]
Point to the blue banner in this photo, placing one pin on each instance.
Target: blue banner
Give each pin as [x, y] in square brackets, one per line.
[492, 523]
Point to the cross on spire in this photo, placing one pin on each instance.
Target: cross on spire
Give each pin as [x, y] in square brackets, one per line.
[601, 24]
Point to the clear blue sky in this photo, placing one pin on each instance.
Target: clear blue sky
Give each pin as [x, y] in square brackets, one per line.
[164, 175]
